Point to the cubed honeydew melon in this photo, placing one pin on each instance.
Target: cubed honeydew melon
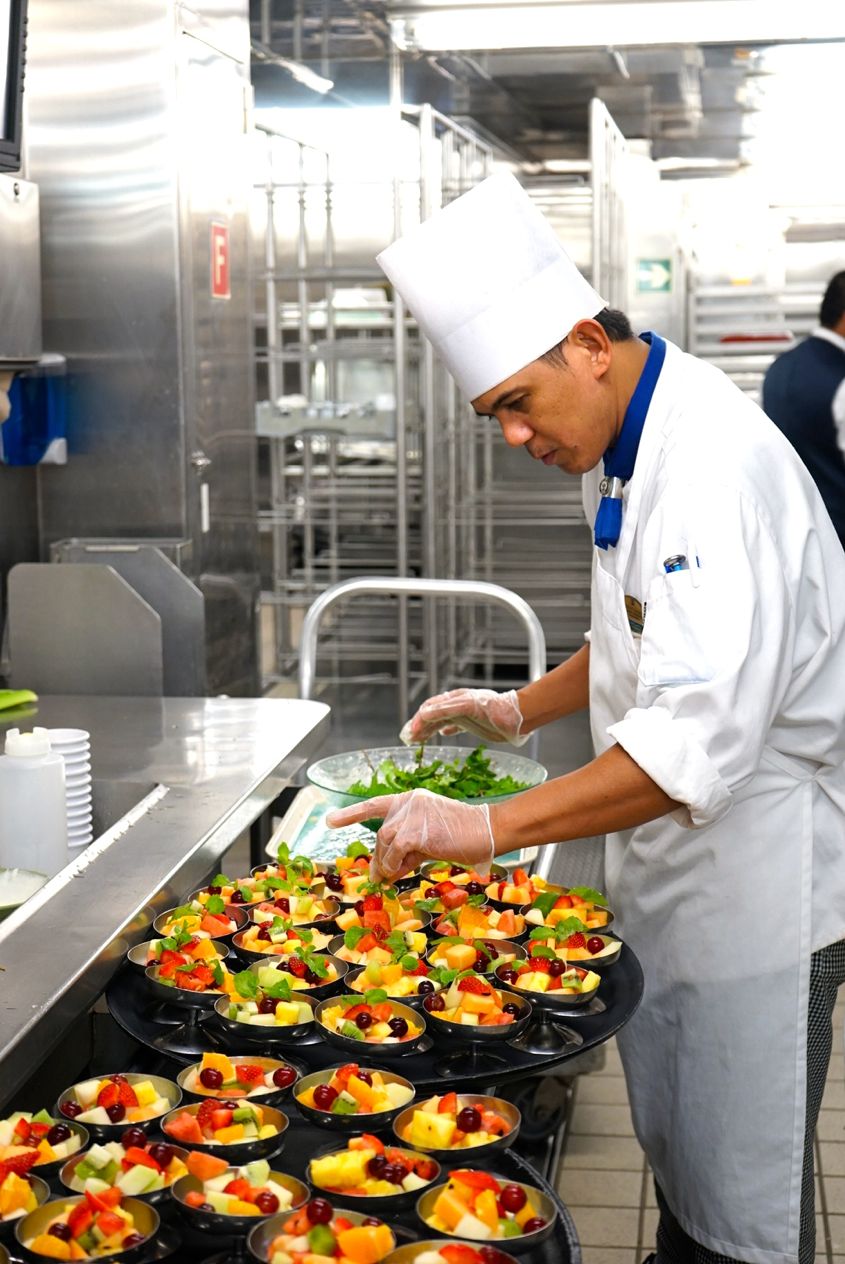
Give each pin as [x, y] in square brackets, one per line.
[398, 1094]
[218, 1183]
[412, 1182]
[95, 1185]
[96, 1116]
[219, 1200]
[138, 1180]
[7, 1131]
[99, 1155]
[86, 1092]
[267, 976]
[257, 1020]
[469, 1226]
[284, 1195]
[257, 1172]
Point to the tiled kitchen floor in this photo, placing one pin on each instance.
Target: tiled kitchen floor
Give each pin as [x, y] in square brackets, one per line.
[607, 1185]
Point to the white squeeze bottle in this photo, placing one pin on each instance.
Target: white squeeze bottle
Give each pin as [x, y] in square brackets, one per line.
[33, 815]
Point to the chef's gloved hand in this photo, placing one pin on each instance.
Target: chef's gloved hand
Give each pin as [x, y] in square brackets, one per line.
[496, 717]
[418, 826]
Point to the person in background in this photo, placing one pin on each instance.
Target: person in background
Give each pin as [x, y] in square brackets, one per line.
[5, 406]
[713, 676]
[804, 394]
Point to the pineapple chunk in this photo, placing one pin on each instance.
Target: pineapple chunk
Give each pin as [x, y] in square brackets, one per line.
[432, 1131]
[145, 1093]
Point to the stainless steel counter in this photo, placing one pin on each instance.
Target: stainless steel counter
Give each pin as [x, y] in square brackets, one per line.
[189, 776]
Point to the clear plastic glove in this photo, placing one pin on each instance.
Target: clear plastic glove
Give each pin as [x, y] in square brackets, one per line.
[420, 826]
[495, 717]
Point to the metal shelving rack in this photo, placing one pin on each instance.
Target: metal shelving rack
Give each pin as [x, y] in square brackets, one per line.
[424, 488]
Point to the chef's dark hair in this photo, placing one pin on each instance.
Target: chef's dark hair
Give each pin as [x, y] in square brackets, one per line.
[614, 323]
[833, 303]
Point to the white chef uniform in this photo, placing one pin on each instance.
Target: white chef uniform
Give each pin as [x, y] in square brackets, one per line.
[732, 700]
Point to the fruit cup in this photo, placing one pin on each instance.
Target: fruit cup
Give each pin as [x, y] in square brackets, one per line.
[459, 1127]
[391, 1030]
[146, 954]
[249, 1076]
[411, 987]
[194, 918]
[136, 1166]
[255, 1193]
[477, 1016]
[51, 1142]
[223, 1129]
[278, 937]
[485, 1208]
[362, 1097]
[544, 1035]
[481, 956]
[302, 908]
[19, 1195]
[356, 1237]
[461, 875]
[317, 974]
[484, 922]
[107, 1105]
[359, 947]
[78, 1211]
[383, 1178]
[285, 1022]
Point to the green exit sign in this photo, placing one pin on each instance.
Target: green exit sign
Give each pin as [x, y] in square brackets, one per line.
[654, 276]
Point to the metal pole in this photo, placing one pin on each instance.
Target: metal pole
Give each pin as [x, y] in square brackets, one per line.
[399, 351]
[328, 261]
[457, 588]
[302, 284]
[429, 447]
[266, 22]
[274, 389]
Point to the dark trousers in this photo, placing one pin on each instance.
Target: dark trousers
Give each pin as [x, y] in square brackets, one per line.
[827, 973]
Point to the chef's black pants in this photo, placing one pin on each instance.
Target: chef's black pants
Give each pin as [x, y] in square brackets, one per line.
[827, 974]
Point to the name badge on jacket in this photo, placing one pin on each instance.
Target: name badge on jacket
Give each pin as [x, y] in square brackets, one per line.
[636, 615]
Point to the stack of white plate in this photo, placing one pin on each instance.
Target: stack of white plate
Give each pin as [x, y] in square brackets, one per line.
[74, 745]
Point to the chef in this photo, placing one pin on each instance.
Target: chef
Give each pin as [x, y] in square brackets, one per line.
[714, 673]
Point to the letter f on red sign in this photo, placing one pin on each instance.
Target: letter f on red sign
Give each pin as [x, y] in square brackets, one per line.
[220, 261]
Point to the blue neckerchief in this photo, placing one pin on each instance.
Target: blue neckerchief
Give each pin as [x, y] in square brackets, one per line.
[619, 460]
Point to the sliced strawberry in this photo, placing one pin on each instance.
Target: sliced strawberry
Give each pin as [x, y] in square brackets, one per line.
[366, 942]
[354, 1010]
[248, 1073]
[344, 1073]
[539, 963]
[473, 984]
[297, 967]
[109, 1095]
[366, 1141]
[127, 1096]
[221, 1118]
[80, 1218]
[448, 1104]
[373, 903]
[476, 1180]
[205, 1112]
[578, 940]
[238, 1188]
[18, 1163]
[459, 1254]
[379, 934]
[136, 1157]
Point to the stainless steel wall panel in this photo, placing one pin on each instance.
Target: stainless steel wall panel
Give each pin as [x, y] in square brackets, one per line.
[137, 139]
[20, 266]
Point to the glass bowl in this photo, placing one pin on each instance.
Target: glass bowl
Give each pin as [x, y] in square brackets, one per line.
[335, 774]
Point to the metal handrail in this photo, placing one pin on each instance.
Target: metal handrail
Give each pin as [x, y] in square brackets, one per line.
[465, 589]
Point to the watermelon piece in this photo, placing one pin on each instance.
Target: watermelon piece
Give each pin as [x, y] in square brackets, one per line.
[205, 1166]
[185, 1128]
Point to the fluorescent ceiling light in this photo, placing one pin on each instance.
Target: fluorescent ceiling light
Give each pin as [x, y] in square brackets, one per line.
[296, 69]
[440, 25]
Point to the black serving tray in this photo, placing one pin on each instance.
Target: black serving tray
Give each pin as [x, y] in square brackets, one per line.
[551, 1042]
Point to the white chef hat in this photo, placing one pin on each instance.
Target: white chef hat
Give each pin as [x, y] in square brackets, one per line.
[489, 283]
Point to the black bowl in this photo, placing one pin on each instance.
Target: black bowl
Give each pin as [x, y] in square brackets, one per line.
[265, 1232]
[331, 908]
[461, 1033]
[599, 964]
[272, 1097]
[359, 1048]
[235, 912]
[318, 991]
[111, 1132]
[238, 1152]
[137, 956]
[415, 1001]
[375, 1121]
[373, 1202]
[155, 1197]
[145, 1218]
[525, 1241]
[240, 1034]
[42, 1192]
[226, 1226]
[411, 1251]
[503, 946]
[182, 997]
[472, 1155]
[248, 955]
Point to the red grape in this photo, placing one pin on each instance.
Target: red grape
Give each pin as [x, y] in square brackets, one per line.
[211, 1078]
[469, 1119]
[399, 1027]
[534, 1224]
[324, 1095]
[131, 1137]
[116, 1113]
[61, 1231]
[595, 944]
[284, 1076]
[131, 1239]
[61, 1132]
[557, 968]
[266, 1005]
[267, 1203]
[434, 1003]
[363, 1020]
[237, 897]
[71, 1109]
[513, 1198]
[319, 1211]
[162, 1154]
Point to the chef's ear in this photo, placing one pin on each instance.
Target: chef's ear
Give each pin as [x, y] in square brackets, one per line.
[590, 339]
